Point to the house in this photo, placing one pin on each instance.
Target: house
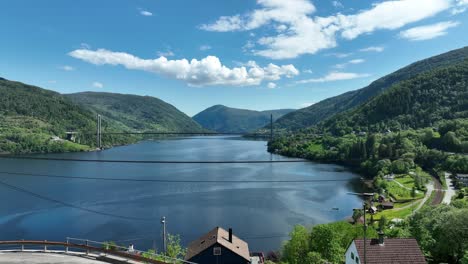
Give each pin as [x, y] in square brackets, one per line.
[381, 198]
[360, 220]
[462, 178]
[372, 210]
[386, 205]
[388, 251]
[218, 246]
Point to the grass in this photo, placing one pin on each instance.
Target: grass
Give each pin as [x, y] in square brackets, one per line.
[400, 193]
[391, 214]
[406, 180]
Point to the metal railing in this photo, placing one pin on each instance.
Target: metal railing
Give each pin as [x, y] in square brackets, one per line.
[150, 255]
[90, 247]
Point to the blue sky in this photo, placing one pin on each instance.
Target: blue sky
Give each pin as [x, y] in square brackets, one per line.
[263, 54]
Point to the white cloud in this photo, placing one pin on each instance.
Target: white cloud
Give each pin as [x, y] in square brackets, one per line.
[205, 47]
[145, 13]
[67, 68]
[165, 53]
[308, 71]
[389, 15]
[307, 104]
[85, 46]
[204, 72]
[340, 55]
[98, 85]
[337, 4]
[343, 65]
[428, 31]
[335, 76]
[373, 48]
[52, 81]
[300, 33]
[271, 85]
[460, 7]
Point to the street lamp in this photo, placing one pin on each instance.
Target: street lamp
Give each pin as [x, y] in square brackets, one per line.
[163, 222]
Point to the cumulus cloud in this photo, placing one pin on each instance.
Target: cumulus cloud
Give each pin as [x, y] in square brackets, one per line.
[204, 72]
[335, 76]
[428, 31]
[145, 13]
[67, 68]
[301, 33]
[271, 85]
[308, 71]
[98, 85]
[373, 48]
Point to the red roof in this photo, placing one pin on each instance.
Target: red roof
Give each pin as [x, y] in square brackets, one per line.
[394, 251]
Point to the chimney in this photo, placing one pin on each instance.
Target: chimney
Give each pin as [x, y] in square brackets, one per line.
[230, 235]
[381, 238]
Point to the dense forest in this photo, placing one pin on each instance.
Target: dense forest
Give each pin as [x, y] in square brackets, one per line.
[136, 113]
[225, 119]
[322, 110]
[419, 102]
[35, 120]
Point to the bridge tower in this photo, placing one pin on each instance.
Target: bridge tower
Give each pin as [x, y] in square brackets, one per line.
[98, 133]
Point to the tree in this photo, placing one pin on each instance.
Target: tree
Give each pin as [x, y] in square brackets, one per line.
[313, 258]
[326, 240]
[297, 247]
[174, 247]
[382, 223]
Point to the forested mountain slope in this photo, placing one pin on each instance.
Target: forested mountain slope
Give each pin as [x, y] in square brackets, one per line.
[225, 119]
[421, 101]
[133, 112]
[322, 110]
[29, 116]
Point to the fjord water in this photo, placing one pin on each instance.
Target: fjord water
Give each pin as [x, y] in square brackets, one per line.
[261, 213]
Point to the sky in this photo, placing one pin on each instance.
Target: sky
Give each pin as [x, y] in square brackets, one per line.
[252, 54]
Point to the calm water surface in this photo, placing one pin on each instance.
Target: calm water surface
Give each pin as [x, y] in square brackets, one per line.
[261, 213]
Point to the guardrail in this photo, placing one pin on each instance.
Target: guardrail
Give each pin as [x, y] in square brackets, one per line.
[88, 247]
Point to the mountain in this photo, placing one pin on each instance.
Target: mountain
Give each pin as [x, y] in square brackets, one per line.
[133, 112]
[225, 119]
[30, 115]
[322, 110]
[421, 101]
[34, 120]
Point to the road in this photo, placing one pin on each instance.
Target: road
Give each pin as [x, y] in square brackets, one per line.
[44, 258]
[450, 192]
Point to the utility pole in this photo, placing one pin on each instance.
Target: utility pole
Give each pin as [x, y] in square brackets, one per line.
[366, 196]
[163, 222]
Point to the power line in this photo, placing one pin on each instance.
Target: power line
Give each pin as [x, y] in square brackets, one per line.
[167, 180]
[19, 189]
[156, 161]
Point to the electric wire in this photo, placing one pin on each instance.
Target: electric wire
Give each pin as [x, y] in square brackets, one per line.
[167, 180]
[45, 198]
[156, 161]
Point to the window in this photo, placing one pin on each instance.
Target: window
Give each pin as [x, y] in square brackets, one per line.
[217, 251]
[352, 255]
[357, 260]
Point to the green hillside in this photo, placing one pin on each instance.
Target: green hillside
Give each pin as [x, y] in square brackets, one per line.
[29, 116]
[322, 110]
[35, 120]
[225, 119]
[421, 101]
[136, 113]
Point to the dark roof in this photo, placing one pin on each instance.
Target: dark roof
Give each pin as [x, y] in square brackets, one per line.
[387, 204]
[220, 236]
[394, 251]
